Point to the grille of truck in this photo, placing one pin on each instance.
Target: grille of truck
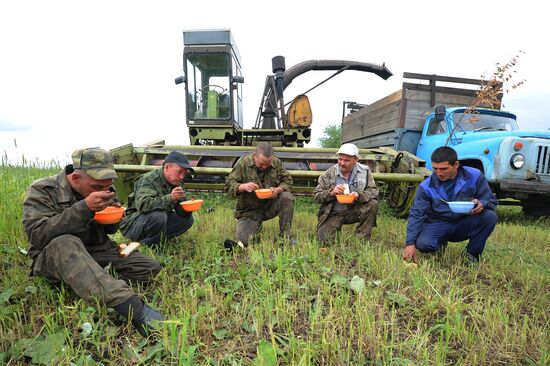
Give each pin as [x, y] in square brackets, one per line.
[543, 160]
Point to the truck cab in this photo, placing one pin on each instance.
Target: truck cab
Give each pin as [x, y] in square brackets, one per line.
[515, 162]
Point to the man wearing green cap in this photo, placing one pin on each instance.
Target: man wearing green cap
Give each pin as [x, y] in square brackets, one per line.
[154, 213]
[67, 245]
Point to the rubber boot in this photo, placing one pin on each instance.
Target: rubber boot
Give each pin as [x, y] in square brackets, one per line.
[144, 318]
[147, 321]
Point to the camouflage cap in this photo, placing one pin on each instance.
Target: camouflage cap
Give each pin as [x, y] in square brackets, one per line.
[96, 162]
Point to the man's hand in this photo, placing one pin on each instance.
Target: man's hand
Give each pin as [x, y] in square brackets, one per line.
[100, 200]
[177, 194]
[276, 191]
[409, 253]
[338, 189]
[478, 208]
[248, 187]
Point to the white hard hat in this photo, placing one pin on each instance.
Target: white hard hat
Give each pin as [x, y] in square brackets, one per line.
[348, 149]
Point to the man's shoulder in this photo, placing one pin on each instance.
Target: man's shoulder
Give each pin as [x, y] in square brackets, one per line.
[278, 163]
[151, 176]
[474, 172]
[49, 181]
[426, 183]
[243, 162]
[362, 167]
[330, 172]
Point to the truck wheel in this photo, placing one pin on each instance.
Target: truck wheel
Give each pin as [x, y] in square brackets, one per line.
[537, 207]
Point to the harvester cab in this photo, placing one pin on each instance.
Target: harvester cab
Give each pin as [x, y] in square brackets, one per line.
[213, 87]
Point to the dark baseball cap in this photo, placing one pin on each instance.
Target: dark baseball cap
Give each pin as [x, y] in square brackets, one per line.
[178, 158]
[95, 162]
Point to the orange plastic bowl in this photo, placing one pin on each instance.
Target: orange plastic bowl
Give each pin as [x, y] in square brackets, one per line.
[264, 193]
[110, 215]
[345, 198]
[192, 205]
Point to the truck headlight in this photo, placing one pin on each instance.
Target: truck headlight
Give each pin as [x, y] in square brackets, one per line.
[517, 161]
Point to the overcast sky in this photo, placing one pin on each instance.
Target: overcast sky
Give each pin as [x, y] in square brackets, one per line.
[101, 73]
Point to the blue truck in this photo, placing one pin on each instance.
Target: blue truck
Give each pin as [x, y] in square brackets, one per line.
[421, 117]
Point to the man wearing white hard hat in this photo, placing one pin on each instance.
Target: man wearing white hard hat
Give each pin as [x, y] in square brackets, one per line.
[347, 177]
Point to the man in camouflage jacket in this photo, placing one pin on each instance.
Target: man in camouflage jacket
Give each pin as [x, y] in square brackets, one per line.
[67, 245]
[350, 175]
[261, 170]
[154, 212]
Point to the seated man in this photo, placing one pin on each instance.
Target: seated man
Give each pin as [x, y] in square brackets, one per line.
[432, 223]
[154, 212]
[261, 170]
[67, 245]
[347, 176]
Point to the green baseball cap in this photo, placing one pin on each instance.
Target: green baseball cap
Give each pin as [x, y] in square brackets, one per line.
[95, 162]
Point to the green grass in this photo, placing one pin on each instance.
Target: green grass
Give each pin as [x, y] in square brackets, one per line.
[354, 304]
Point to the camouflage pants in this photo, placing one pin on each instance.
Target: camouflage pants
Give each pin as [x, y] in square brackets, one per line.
[282, 206]
[362, 213]
[66, 259]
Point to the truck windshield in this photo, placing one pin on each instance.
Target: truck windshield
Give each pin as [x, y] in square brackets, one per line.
[208, 86]
[484, 122]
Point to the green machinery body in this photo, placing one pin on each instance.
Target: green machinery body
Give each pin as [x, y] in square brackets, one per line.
[398, 174]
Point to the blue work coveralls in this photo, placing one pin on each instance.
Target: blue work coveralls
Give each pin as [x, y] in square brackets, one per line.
[432, 223]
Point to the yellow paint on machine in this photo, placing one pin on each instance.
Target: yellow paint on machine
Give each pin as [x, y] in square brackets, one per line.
[299, 114]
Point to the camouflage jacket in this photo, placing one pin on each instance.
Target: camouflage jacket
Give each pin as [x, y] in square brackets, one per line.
[52, 208]
[363, 183]
[151, 192]
[248, 205]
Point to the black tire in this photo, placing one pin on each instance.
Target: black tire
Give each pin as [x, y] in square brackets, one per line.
[537, 206]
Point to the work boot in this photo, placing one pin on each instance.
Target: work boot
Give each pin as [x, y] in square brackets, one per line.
[143, 317]
[470, 259]
[229, 244]
[147, 321]
[288, 239]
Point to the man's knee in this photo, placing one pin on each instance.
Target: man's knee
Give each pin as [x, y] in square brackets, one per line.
[156, 267]
[369, 208]
[157, 218]
[488, 218]
[150, 270]
[426, 246]
[286, 197]
[65, 244]
[373, 205]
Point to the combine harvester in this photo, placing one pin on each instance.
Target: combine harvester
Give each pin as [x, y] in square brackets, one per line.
[213, 89]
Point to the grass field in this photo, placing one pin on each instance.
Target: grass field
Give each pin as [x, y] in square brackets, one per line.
[353, 304]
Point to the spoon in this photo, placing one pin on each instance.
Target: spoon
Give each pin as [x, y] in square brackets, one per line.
[443, 200]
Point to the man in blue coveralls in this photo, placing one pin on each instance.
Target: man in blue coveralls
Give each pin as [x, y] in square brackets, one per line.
[431, 222]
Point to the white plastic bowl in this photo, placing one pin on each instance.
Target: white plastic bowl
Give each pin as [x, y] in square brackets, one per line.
[461, 206]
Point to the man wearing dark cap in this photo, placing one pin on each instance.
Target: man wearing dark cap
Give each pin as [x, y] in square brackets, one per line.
[154, 213]
[67, 245]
